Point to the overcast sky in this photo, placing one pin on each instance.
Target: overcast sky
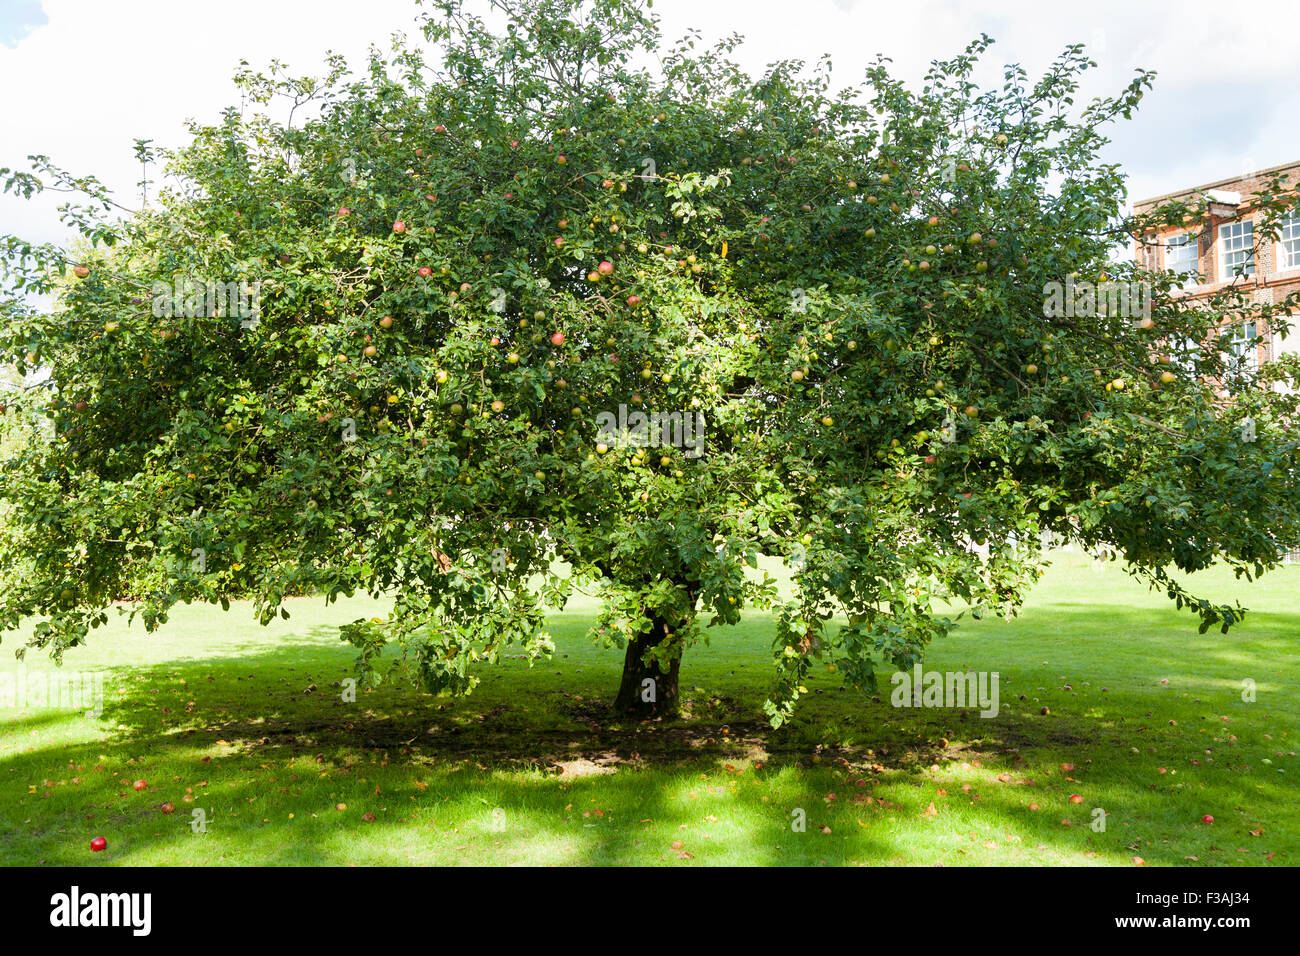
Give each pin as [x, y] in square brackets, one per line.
[83, 78]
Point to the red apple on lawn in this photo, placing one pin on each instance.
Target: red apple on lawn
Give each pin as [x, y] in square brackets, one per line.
[1207, 819]
[399, 226]
[168, 807]
[99, 843]
[1075, 798]
[140, 785]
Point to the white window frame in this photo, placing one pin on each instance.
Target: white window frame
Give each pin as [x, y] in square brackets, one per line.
[1236, 246]
[1188, 239]
[1288, 243]
[1242, 333]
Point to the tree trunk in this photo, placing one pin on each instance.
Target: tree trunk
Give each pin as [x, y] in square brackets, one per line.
[638, 698]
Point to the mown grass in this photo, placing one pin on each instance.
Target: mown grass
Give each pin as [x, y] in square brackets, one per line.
[247, 724]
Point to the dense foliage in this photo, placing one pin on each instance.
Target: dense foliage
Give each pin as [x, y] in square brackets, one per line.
[460, 263]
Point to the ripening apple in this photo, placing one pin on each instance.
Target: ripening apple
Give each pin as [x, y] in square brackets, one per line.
[1119, 384]
[386, 322]
[1147, 323]
[110, 326]
[593, 276]
[605, 268]
[827, 421]
[81, 272]
[557, 338]
[560, 159]
[425, 272]
[513, 358]
[494, 341]
[344, 212]
[929, 459]
[975, 239]
[1031, 368]
[1001, 139]
[370, 350]
[930, 250]
[440, 128]
[441, 376]
[399, 226]
[971, 411]
[1168, 377]
[923, 265]
[498, 406]
[797, 375]
[139, 785]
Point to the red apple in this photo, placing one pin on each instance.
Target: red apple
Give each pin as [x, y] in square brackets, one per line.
[605, 268]
[557, 338]
[344, 211]
[440, 128]
[634, 300]
[386, 322]
[81, 272]
[399, 226]
[168, 807]
[1075, 798]
[929, 459]
[559, 242]
[495, 341]
[99, 843]
[140, 785]
[1207, 819]
[425, 272]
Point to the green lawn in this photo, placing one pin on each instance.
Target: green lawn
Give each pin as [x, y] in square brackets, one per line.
[218, 714]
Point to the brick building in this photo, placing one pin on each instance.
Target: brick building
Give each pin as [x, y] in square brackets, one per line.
[1210, 252]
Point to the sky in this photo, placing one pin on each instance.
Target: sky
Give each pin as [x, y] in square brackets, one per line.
[84, 78]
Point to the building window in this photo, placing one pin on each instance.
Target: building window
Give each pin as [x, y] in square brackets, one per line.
[1181, 257]
[1288, 247]
[1243, 346]
[1236, 249]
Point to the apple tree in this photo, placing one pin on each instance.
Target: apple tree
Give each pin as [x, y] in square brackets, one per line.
[508, 314]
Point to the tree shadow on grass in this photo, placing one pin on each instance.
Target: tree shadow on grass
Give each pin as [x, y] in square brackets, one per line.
[252, 737]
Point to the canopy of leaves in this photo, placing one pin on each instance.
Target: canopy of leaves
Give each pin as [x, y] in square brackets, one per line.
[848, 286]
